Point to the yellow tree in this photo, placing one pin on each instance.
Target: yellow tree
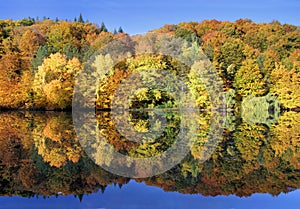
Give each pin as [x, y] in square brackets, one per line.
[55, 139]
[285, 85]
[59, 36]
[286, 134]
[54, 82]
[249, 140]
[30, 42]
[270, 58]
[14, 81]
[249, 80]
[295, 58]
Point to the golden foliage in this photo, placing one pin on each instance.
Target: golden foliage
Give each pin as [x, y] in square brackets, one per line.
[285, 85]
[286, 134]
[56, 140]
[54, 82]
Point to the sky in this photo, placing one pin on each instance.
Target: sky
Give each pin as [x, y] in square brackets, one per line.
[138, 17]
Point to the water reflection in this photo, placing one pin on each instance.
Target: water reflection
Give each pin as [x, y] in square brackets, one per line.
[41, 155]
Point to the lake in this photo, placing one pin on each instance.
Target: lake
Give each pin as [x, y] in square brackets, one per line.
[46, 162]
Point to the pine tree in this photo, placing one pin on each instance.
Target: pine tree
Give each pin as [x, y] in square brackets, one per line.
[103, 27]
[120, 30]
[80, 18]
[40, 55]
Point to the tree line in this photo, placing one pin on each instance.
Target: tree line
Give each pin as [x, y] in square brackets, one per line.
[39, 60]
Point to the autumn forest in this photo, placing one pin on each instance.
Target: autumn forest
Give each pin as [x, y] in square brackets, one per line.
[259, 70]
[41, 58]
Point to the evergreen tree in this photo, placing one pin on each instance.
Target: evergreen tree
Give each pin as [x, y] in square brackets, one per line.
[40, 55]
[120, 30]
[103, 27]
[80, 18]
[80, 197]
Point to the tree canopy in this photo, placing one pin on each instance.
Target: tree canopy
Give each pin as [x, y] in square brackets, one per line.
[249, 57]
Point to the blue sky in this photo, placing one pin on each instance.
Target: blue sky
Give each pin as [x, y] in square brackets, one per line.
[140, 16]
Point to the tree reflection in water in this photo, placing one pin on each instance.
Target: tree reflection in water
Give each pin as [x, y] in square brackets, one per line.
[41, 155]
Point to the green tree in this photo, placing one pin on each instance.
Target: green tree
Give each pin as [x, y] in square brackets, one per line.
[232, 56]
[40, 55]
[27, 21]
[120, 30]
[80, 19]
[103, 28]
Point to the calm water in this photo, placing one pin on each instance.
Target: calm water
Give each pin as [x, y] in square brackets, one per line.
[44, 164]
[138, 195]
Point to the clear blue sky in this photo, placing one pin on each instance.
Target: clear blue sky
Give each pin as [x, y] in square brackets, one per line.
[143, 15]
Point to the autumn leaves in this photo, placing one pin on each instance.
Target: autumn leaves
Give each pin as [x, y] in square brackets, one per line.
[40, 59]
